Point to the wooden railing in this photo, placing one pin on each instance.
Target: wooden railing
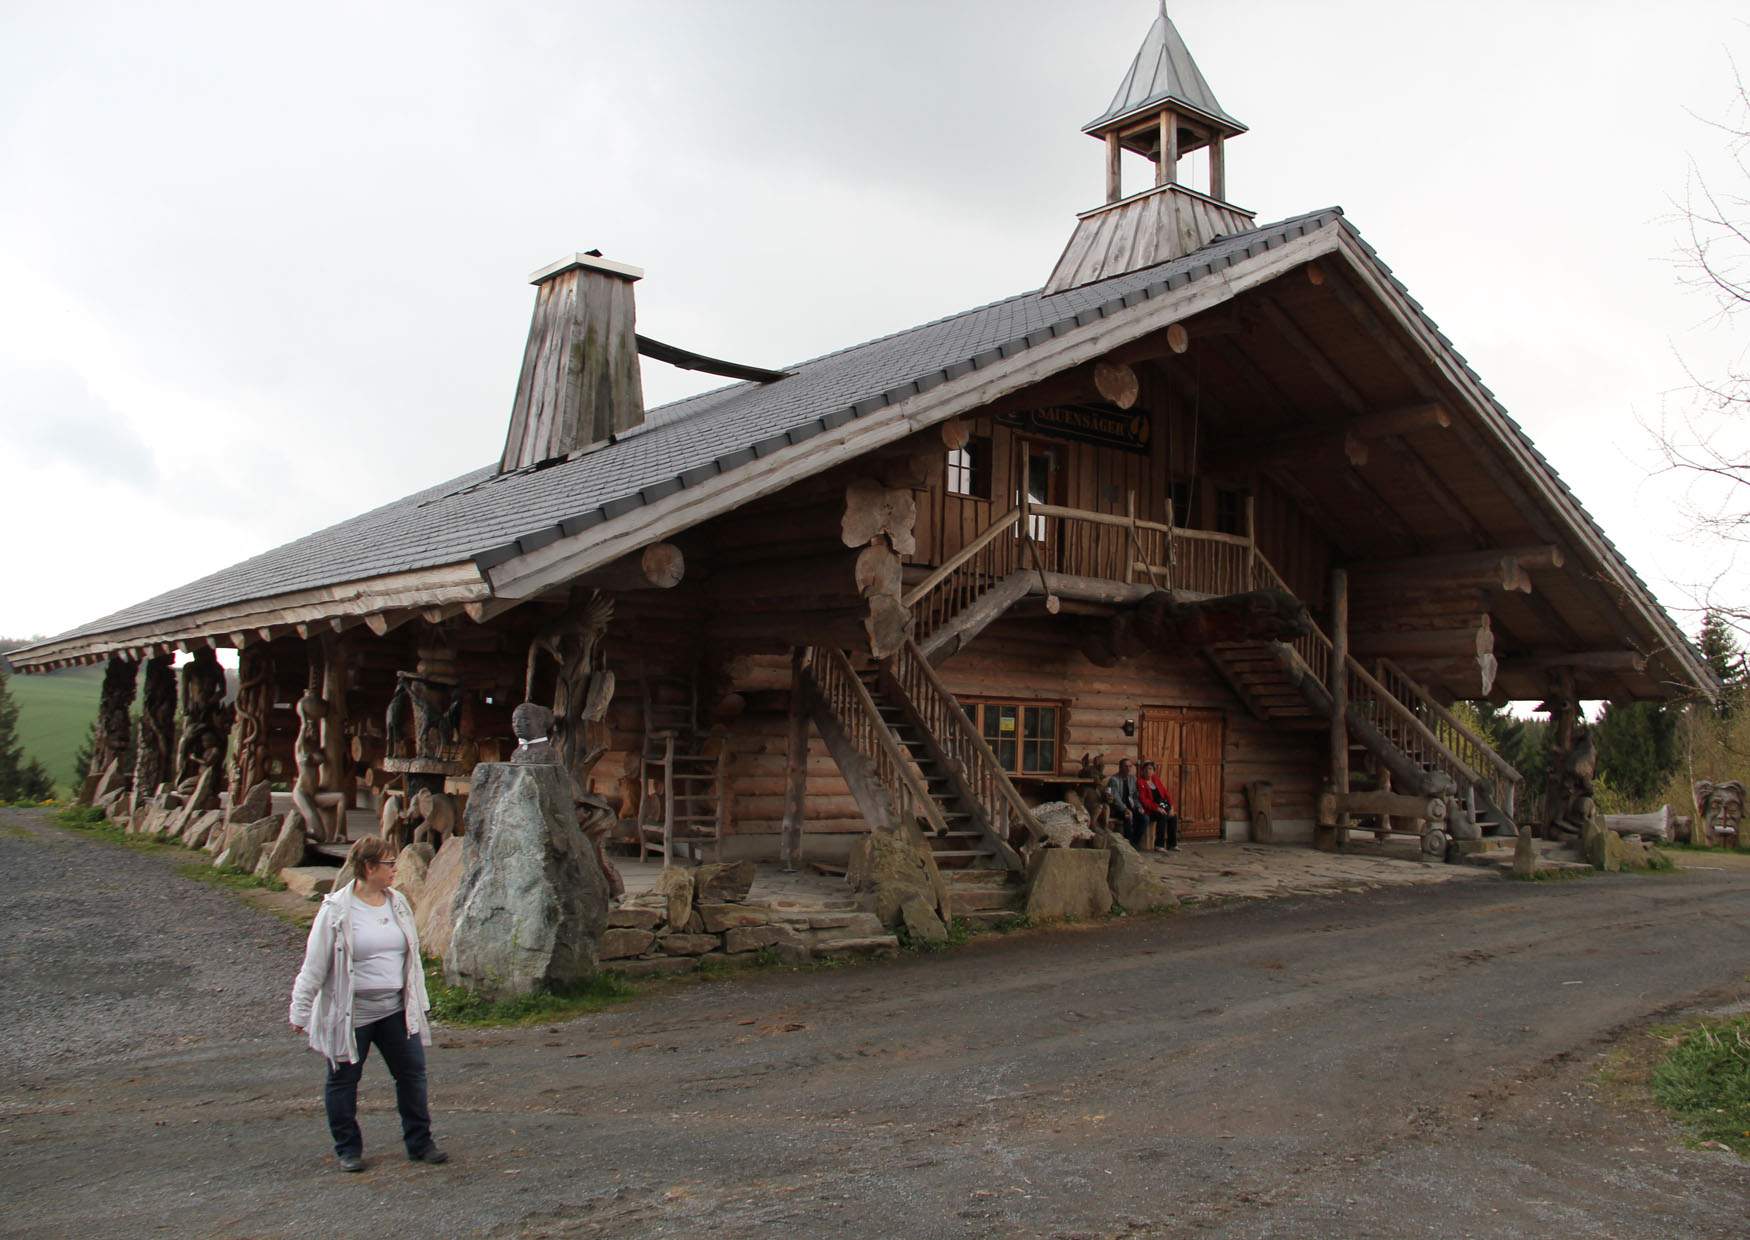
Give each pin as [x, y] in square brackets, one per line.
[1501, 779]
[1114, 547]
[891, 770]
[975, 568]
[1314, 649]
[1006, 813]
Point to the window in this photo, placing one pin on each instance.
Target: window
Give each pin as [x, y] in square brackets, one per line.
[969, 469]
[1023, 735]
[1230, 511]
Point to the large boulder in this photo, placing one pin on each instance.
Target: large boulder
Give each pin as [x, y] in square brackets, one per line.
[196, 834]
[1134, 883]
[533, 901]
[921, 923]
[286, 851]
[243, 844]
[254, 805]
[1068, 883]
[413, 864]
[717, 884]
[896, 865]
[1064, 825]
[434, 917]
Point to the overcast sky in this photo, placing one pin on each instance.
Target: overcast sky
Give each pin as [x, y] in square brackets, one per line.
[264, 267]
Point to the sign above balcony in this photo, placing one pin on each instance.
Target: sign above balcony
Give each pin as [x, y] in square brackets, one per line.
[1105, 425]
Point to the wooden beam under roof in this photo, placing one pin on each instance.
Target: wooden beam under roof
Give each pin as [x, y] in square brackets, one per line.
[1312, 355]
[686, 359]
[1308, 449]
[1464, 563]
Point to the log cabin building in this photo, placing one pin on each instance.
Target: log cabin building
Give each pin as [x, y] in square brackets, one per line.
[923, 576]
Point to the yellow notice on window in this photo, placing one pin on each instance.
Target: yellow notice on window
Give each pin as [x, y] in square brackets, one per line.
[1007, 724]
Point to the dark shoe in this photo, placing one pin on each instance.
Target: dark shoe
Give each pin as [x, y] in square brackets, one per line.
[351, 1162]
[431, 1154]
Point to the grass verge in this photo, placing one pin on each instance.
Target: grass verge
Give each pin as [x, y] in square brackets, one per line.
[455, 1006]
[1704, 1082]
[231, 879]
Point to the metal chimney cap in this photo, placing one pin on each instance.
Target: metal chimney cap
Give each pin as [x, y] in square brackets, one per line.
[591, 259]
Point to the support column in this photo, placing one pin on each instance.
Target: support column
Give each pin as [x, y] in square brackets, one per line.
[157, 741]
[249, 753]
[336, 750]
[1167, 166]
[1114, 169]
[114, 745]
[795, 769]
[1339, 690]
[1217, 169]
[1564, 715]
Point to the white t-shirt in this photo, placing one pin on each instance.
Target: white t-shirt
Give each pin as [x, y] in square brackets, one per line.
[379, 949]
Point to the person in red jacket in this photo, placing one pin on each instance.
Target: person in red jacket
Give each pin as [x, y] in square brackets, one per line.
[1158, 806]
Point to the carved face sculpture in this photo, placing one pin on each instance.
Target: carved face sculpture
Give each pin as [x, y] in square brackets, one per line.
[1720, 806]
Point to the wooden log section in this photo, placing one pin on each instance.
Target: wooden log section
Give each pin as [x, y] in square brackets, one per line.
[1312, 449]
[1463, 564]
[660, 566]
[1160, 623]
[872, 510]
[1394, 804]
[956, 433]
[1117, 383]
[1466, 678]
[1586, 660]
[1467, 640]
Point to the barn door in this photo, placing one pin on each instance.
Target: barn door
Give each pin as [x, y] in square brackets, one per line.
[1188, 745]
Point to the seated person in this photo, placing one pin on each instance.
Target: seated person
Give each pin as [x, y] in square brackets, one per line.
[1158, 807]
[1126, 804]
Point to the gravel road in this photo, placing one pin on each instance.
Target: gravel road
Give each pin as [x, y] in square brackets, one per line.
[1420, 1062]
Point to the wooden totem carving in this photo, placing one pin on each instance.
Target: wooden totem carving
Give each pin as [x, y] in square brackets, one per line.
[583, 686]
[254, 701]
[114, 728]
[424, 717]
[206, 721]
[322, 812]
[1719, 813]
[157, 741]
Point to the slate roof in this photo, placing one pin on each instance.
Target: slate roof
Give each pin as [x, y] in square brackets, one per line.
[1163, 70]
[490, 517]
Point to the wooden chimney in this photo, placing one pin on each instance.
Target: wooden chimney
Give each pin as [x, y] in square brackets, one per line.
[580, 381]
[1164, 111]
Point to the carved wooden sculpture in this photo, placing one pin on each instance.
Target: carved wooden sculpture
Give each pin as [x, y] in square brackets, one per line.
[583, 686]
[205, 718]
[1571, 775]
[1719, 811]
[323, 813]
[254, 701]
[1261, 809]
[157, 729]
[114, 729]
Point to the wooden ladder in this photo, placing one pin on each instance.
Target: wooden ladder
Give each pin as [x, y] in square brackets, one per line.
[678, 776]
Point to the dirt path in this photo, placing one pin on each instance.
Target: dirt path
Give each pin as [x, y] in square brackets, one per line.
[1402, 1063]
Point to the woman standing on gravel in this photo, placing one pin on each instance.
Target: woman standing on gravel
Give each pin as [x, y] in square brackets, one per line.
[362, 984]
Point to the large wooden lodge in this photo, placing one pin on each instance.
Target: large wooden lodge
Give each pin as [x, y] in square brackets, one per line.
[924, 575]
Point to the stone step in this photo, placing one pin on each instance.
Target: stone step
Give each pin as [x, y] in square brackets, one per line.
[310, 881]
[979, 876]
[866, 945]
[986, 918]
[969, 898]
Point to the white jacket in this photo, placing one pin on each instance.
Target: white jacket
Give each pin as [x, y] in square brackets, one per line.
[322, 995]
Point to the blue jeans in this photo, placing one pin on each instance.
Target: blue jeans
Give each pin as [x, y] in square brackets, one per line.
[406, 1059]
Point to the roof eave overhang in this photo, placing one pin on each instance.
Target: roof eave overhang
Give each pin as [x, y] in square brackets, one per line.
[1228, 125]
[1583, 535]
[243, 623]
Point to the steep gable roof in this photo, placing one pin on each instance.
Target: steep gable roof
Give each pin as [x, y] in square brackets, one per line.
[1163, 71]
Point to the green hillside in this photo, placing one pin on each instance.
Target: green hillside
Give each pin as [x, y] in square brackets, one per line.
[53, 713]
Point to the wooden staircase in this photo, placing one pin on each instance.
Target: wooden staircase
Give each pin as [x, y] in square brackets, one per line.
[683, 775]
[909, 754]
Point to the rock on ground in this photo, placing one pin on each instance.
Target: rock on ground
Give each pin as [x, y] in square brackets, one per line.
[434, 917]
[287, 850]
[1134, 883]
[675, 886]
[533, 901]
[920, 919]
[254, 805]
[716, 884]
[243, 844]
[1068, 882]
[413, 864]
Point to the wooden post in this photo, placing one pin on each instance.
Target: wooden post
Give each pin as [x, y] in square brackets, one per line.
[336, 752]
[668, 800]
[1252, 536]
[795, 769]
[157, 739]
[1167, 170]
[1217, 170]
[1114, 169]
[1564, 715]
[1339, 688]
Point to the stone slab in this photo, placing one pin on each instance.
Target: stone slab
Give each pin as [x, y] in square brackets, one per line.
[310, 881]
[688, 944]
[619, 942]
[628, 917]
[656, 965]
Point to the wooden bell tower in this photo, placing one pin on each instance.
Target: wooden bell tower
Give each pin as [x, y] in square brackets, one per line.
[1164, 110]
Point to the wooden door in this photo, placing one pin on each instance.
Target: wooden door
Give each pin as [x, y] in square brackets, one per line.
[1041, 474]
[1188, 746]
